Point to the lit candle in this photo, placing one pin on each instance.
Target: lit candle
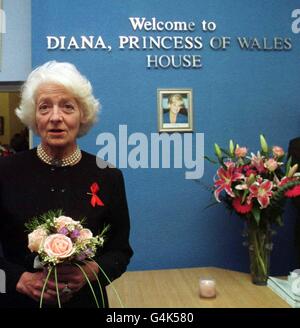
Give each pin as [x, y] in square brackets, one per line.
[207, 288]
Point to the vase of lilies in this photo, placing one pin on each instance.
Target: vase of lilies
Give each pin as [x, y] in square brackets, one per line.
[256, 186]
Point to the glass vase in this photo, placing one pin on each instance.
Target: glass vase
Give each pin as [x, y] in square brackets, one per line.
[260, 246]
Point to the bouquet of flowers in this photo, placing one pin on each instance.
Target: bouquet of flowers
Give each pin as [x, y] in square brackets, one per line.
[59, 239]
[255, 187]
[255, 184]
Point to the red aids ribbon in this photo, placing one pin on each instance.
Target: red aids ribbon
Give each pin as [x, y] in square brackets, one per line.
[95, 200]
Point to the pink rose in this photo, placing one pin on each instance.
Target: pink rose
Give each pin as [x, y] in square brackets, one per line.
[85, 234]
[277, 151]
[241, 151]
[58, 246]
[36, 239]
[271, 164]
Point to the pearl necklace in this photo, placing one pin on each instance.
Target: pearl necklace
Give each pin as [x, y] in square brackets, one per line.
[67, 161]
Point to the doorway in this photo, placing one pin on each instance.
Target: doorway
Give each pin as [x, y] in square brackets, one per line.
[14, 135]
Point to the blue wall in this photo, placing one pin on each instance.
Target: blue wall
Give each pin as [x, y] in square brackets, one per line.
[237, 94]
[16, 42]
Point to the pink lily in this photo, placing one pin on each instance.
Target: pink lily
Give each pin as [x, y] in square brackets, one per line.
[248, 180]
[226, 178]
[284, 181]
[262, 192]
[271, 164]
[258, 162]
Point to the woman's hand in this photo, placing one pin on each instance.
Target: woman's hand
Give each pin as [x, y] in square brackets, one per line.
[71, 278]
[31, 284]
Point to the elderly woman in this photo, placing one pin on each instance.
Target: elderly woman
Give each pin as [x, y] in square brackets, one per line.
[57, 104]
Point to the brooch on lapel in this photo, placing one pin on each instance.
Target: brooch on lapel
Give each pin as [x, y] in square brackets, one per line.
[95, 200]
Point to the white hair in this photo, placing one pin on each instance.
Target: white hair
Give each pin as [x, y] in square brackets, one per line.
[69, 77]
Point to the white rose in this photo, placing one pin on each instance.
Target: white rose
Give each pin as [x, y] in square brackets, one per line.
[85, 234]
[36, 239]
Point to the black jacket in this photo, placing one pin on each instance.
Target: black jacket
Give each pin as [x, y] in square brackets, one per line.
[294, 152]
[29, 187]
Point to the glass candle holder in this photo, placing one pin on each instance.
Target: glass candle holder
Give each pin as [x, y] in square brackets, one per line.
[207, 287]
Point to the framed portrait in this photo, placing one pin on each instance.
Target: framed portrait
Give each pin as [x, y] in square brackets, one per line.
[1, 125]
[175, 110]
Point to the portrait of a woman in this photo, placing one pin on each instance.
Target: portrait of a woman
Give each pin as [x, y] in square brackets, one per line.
[176, 111]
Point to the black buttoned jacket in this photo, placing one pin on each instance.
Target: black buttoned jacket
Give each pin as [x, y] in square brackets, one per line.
[294, 152]
[30, 187]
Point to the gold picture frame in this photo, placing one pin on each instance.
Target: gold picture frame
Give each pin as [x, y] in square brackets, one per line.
[175, 110]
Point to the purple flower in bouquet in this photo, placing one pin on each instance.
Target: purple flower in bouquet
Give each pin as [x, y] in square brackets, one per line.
[75, 234]
[63, 231]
